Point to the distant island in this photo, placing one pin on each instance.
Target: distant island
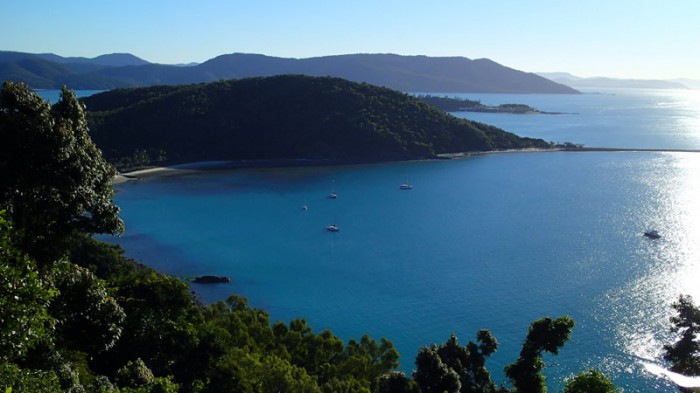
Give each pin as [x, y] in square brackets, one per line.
[454, 104]
[404, 73]
[603, 82]
[283, 118]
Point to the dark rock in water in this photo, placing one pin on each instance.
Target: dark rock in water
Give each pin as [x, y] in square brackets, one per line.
[211, 279]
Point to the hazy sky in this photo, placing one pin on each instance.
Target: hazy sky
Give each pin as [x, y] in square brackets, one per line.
[617, 38]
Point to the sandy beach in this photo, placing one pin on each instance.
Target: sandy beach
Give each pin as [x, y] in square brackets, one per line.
[194, 167]
[172, 170]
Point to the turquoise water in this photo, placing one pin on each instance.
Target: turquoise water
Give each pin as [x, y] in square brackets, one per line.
[493, 241]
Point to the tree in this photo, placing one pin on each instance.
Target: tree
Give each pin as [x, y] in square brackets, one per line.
[134, 373]
[55, 181]
[17, 380]
[88, 318]
[544, 335]
[684, 354]
[437, 365]
[24, 297]
[432, 374]
[368, 359]
[591, 381]
[396, 382]
[469, 361]
[160, 324]
[244, 371]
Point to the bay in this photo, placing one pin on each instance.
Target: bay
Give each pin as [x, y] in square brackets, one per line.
[53, 95]
[492, 241]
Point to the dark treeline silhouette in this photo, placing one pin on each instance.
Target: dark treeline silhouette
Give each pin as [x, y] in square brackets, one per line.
[281, 117]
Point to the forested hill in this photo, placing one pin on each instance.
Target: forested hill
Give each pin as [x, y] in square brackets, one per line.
[413, 74]
[281, 117]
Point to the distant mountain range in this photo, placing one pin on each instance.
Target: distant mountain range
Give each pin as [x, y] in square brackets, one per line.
[418, 74]
[603, 82]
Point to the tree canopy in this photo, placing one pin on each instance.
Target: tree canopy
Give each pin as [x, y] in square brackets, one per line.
[24, 298]
[281, 117]
[54, 180]
[684, 354]
[544, 335]
[590, 381]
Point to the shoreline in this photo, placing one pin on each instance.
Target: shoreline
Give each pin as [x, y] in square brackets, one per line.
[208, 166]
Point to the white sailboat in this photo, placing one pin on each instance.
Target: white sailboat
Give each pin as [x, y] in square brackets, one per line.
[333, 195]
[332, 227]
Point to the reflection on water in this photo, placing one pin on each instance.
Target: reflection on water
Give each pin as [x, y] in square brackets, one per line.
[679, 379]
[488, 242]
[642, 307]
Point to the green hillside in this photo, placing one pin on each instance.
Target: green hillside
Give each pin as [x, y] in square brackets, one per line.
[282, 117]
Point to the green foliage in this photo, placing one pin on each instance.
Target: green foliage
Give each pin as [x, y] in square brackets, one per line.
[134, 373]
[244, 371]
[160, 325]
[367, 358]
[544, 335]
[24, 297]
[433, 375]
[467, 362]
[55, 181]
[684, 354]
[280, 118]
[397, 382]
[455, 104]
[68, 366]
[104, 259]
[294, 349]
[449, 104]
[18, 380]
[88, 318]
[591, 381]
[156, 385]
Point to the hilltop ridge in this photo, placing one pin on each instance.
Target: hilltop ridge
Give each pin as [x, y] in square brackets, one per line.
[418, 74]
[281, 118]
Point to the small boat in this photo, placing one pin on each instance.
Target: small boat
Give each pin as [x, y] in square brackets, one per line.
[332, 228]
[332, 195]
[406, 186]
[652, 234]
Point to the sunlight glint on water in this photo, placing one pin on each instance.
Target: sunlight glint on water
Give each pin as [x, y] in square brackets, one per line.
[673, 264]
[487, 242]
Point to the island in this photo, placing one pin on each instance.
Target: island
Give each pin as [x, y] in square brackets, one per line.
[284, 119]
[455, 104]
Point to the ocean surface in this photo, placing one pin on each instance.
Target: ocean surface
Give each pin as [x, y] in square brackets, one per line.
[493, 241]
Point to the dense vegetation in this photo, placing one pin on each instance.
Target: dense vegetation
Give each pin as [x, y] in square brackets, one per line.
[51, 185]
[281, 118]
[455, 104]
[77, 316]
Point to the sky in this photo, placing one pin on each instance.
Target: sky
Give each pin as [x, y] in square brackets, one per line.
[640, 39]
